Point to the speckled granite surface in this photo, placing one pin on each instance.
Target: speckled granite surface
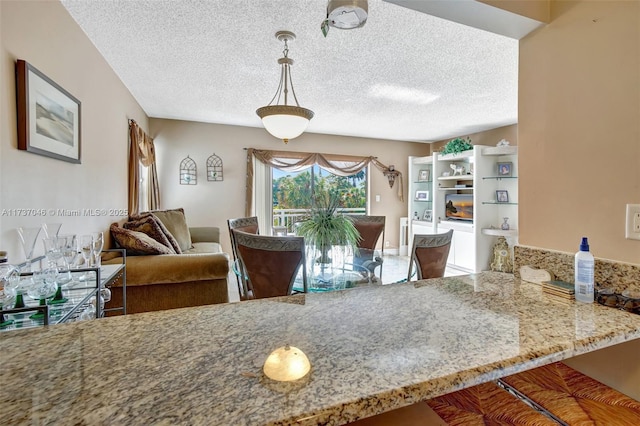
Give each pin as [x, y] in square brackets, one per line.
[615, 275]
[372, 349]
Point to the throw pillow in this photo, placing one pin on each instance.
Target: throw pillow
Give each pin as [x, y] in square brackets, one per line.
[165, 231]
[137, 243]
[175, 221]
[151, 226]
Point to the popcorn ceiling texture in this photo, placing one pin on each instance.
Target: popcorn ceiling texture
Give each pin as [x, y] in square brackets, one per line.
[608, 274]
[405, 75]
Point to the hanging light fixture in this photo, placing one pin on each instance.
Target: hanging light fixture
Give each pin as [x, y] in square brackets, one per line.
[285, 121]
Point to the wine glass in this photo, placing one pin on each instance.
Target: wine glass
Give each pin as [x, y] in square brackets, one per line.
[45, 286]
[28, 237]
[52, 250]
[85, 247]
[69, 248]
[98, 245]
[8, 274]
[51, 229]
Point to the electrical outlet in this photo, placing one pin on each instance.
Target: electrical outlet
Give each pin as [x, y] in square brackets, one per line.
[387, 244]
[632, 228]
[377, 198]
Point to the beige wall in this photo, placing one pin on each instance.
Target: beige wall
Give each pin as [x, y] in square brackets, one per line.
[212, 203]
[43, 34]
[489, 137]
[579, 131]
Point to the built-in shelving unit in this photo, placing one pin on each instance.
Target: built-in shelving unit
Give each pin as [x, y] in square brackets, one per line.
[474, 175]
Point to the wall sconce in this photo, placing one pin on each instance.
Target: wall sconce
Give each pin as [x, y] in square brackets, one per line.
[214, 168]
[286, 364]
[391, 173]
[188, 172]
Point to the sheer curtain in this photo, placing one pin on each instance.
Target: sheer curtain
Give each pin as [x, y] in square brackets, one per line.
[142, 151]
[341, 165]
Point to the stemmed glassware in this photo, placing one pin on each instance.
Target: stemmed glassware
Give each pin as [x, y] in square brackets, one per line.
[68, 247]
[8, 274]
[85, 247]
[98, 245]
[57, 262]
[51, 229]
[45, 286]
[28, 237]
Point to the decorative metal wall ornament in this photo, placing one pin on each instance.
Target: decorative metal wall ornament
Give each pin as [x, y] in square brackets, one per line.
[391, 173]
[188, 172]
[214, 168]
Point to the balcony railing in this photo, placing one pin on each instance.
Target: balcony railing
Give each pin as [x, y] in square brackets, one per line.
[287, 218]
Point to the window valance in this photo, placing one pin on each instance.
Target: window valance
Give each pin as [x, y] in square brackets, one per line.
[341, 165]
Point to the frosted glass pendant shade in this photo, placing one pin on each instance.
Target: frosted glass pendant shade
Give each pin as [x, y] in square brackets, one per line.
[286, 364]
[285, 121]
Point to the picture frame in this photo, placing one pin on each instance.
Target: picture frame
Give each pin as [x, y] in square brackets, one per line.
[422, 195]
[427, 216]
[48, 116]
[424, 175]
[502, 196]
[505, 169]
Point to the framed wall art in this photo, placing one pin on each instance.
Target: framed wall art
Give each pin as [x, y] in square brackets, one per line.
[502, 196]
[48, 116]
[504, 169]
[422, 195]
[424, 175]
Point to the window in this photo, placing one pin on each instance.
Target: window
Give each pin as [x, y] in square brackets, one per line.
[293, 193]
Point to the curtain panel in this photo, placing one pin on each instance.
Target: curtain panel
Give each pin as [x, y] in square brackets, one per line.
[142, 151]
[341, 165]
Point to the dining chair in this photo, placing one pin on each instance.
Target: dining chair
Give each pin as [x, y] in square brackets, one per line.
[271, 263]
[249, 225]
[370, 229]
[430, 253]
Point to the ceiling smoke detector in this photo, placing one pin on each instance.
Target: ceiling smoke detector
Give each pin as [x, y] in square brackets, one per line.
[345, 14]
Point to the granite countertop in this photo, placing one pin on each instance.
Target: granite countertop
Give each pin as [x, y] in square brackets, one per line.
[372, 349]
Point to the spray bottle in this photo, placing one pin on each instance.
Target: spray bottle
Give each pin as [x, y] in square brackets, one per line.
[584, 266]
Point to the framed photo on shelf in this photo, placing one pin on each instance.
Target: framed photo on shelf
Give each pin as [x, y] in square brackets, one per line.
[423, 175]
[427, 215]
[48, 116]
[422, 195]
[502, 196]
[504, 169]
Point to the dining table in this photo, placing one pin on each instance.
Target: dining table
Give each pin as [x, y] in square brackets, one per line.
[372, 349]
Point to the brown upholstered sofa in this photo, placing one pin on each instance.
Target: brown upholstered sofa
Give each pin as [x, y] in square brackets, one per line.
[196, 276]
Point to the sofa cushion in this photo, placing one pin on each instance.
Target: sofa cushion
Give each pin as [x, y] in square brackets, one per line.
[204, 248]
[137, 243]
[151, 226]
[176, 223]
[176, 268]
[172, 240]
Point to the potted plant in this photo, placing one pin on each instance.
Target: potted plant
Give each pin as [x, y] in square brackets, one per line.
[325, 227]
[456, 146]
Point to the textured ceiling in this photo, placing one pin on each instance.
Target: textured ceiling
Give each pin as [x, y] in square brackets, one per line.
[405, 75]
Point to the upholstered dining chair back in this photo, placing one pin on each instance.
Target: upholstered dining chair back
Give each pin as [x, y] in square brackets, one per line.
[271, 263]
[429, 253]
[370, 229]
[249, 225]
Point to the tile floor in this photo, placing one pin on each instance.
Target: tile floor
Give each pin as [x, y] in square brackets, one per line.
[395, 269]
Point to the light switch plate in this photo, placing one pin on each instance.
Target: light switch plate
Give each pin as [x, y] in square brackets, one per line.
[632, 226]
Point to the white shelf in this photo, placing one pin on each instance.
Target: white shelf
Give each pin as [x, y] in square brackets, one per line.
[456, 157]
[500, 232]
[500, 150]
[463, 177]
[452, 188]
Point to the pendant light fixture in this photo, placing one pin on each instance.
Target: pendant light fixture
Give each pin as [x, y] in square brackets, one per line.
[285, 121]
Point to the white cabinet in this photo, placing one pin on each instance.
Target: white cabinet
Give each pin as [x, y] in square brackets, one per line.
[462, 254]
[467, 191]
